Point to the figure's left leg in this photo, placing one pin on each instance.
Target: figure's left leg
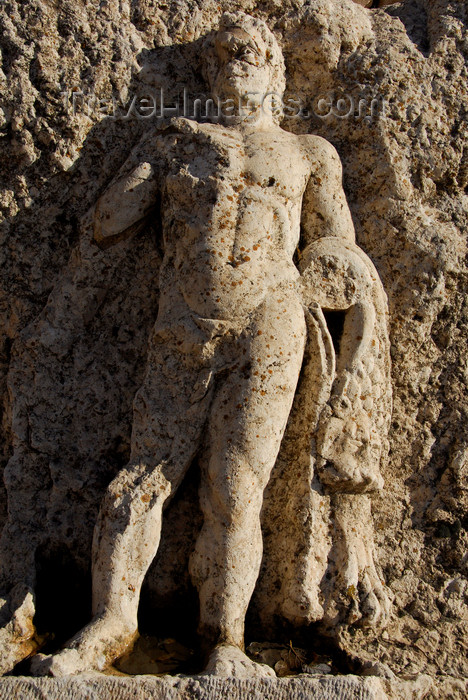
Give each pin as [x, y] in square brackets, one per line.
[248, 419]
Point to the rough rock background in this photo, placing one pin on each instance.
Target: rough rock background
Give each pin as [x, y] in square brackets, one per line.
[75, 320]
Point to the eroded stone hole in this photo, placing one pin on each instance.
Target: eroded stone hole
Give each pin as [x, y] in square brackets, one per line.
[335, 322]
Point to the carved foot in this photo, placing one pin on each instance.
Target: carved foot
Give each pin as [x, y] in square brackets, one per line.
[228, 661]
[94, 648]
[16, 627]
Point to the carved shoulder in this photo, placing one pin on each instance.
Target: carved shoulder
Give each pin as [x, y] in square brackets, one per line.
[322, 153]
[124, 205]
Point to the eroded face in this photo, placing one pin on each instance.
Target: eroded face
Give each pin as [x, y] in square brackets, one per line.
[244, 65]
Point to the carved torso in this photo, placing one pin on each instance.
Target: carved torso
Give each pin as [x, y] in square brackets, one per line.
[231, 215]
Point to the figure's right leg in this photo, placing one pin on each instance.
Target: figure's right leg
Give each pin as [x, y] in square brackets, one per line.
[168, 423]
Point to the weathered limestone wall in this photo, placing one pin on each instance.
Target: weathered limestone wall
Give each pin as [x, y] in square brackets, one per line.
[75, 320]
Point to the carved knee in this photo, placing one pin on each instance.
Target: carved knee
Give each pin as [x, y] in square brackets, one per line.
[136, 488]
[231, 498]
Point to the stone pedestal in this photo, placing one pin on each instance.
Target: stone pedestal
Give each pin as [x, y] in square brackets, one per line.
[97, 687]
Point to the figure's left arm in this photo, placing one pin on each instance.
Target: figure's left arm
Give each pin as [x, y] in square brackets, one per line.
[334, 270]
[337, 276]
[325, 211]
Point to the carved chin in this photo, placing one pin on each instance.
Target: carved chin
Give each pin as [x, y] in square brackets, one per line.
[233, 86]
[236, 84]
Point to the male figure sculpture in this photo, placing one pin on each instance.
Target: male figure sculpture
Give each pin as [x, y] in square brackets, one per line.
[227, 349]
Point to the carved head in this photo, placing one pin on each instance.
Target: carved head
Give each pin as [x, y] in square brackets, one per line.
[244, 57]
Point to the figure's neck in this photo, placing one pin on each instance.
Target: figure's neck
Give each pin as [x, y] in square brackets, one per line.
[247, 123]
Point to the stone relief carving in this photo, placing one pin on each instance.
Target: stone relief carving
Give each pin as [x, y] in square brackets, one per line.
[269, 358]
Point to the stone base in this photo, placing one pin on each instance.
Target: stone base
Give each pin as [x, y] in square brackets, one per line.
[95, 687]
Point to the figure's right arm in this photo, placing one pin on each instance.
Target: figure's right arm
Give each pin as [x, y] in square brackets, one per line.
[122, 209]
